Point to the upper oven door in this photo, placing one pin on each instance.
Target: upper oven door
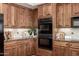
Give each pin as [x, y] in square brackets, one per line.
[75, 22]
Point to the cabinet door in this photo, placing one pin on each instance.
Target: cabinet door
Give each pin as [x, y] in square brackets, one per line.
[40, 11]
[28, 18]
[75, 9]
[59, 51]
[64, 15]
[21, 17]
[20, 49]
[10, 15]
[60, 15]
[29, 48]
[7, 15]
[14, 16]
[74, 52]
[47, 10]
[67, 15]
[8, 51]
[35, 18]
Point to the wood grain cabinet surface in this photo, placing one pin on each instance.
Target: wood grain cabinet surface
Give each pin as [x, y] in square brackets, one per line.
[20, 48]
[65, 48]
[60, 48]
[44, 10]
[16, 16]
[63, 15]
[75, 9]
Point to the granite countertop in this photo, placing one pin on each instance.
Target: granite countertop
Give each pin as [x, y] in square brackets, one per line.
[18, 39]
[67, 41]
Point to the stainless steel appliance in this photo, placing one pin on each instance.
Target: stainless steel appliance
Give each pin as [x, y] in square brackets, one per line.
[45, 33]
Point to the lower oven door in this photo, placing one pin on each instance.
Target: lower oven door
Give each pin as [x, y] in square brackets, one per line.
[45, 43]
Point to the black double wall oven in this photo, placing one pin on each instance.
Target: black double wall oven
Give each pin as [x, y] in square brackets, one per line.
[45, 33]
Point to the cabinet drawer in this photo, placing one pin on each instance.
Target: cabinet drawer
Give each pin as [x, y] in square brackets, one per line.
[58, 43]
[43, 52]
[74, 45]
[74, 52]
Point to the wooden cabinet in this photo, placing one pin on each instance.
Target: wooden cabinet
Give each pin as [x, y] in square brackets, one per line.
[16, 16]
[10, 49]
[65, 48]
[47, 9]
[74, 49]
[75, 9]
[63, 15]
[28, 19]
[74, 52]
[35, 18]
[7, 15]
[21, 22]
[60, 48]
[40, 11]
[44, 10]
[18, 48]
[28, 47]
[10, 15]
[59, 51]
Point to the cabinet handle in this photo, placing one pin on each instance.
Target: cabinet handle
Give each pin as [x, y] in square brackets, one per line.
[48, 14]
[67, 25]
[59, 25]
[77, 13]
[67, 44]
[70, 44]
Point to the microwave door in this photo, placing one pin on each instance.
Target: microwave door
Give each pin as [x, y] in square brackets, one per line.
[75, 22]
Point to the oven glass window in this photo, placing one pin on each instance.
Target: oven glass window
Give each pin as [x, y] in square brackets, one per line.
[76, 23]
[44, 42]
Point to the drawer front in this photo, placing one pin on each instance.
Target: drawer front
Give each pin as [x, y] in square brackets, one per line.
[74, 45]
[74, 52]
[58, 43]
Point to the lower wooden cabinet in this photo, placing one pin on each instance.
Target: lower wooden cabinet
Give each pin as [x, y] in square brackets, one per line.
[27, 48]
[20, 48]
[65, 48]
[58, 51]
[74, 52]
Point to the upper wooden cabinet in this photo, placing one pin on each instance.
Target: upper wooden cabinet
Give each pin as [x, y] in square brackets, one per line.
[75, 9]
[63, 15]
[44, 10]
[7, 15]
[35, 18]
[28, 17]
[16, 16]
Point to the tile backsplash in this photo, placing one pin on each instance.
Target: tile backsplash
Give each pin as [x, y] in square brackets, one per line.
[19, 33]
[70, 33]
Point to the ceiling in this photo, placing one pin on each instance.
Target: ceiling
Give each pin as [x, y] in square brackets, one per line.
[30, 5]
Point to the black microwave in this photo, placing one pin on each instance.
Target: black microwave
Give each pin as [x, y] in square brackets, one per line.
[75, 22]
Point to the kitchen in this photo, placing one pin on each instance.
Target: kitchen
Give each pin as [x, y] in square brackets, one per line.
[26, 27]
